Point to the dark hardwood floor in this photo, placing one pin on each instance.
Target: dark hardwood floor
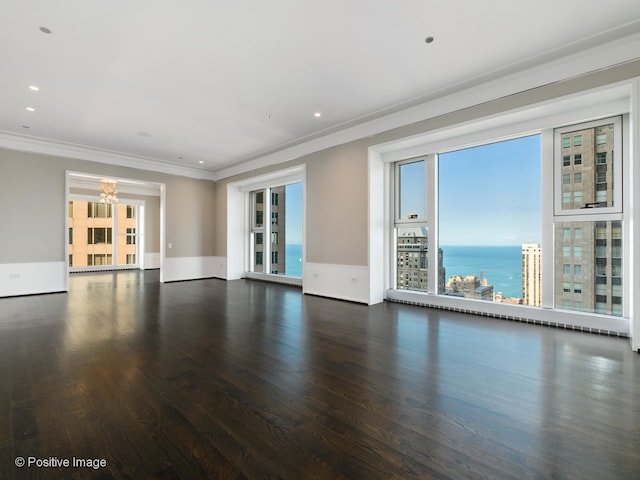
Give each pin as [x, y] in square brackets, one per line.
[241, 379]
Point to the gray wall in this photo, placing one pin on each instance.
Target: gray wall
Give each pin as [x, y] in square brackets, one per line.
[32, 208]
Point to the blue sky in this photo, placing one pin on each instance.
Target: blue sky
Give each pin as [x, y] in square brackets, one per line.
[293, 213]
[490, 195]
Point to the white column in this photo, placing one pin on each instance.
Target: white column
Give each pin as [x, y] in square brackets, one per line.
[634, 216]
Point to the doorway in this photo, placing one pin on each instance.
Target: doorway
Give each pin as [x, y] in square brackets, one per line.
[123, 230]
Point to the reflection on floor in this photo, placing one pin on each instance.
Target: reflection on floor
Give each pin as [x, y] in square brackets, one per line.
[241, 379]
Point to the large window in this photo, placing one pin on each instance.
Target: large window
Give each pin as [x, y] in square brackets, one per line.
[489, 207]
[102, 235]
[478, 223]
[276, 245]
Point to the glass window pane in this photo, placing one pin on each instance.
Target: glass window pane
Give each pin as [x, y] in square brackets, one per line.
[258, 208]
[489, 221]
[258, 252]
[286, 230]
[411, 259]
[281, 235]
[126, 224]
[411, 187]
[599, 287]
[592, 152]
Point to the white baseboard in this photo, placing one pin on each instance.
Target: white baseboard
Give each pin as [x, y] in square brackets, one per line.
[32, 278]
[345, 282]
[191, 268]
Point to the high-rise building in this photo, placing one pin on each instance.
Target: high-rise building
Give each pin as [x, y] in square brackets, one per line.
[588, 270]
[412, 260]
[277, 230]
[531, 278]
[588, 253]
[469, 286]
[587, 167]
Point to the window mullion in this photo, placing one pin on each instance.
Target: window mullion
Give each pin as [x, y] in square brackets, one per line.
[431, 210]
[114, 241]
[547, 212]
[266, 239]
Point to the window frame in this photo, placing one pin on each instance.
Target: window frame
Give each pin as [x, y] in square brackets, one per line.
[268, 229]
[418, 221]
[560, 112]
[242, 191]
[559, 155]
[429, 221]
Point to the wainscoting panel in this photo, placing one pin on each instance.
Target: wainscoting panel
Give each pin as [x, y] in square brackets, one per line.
[31, 278]
[151, 260]
[346, 282]
[190, 268]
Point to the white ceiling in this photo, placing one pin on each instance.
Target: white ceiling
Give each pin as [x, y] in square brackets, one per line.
[224, 82]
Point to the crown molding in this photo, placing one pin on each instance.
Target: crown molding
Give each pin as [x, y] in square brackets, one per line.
[606, 55]
[79, 152]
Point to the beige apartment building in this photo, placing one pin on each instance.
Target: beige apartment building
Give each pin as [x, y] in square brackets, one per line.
[588, 253]
[102, 235]
[531, 274]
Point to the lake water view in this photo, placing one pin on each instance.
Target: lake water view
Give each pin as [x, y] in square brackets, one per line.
[293, 260]
[500, 265]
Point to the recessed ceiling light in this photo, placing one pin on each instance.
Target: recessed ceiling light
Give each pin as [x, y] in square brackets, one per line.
[26, 126]
[317, 114]
[30, 109]
[268, 115]
[34, 88]
[429, 39]
[201, 162]
[45, 30]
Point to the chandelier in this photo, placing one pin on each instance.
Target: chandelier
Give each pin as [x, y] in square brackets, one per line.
[108, 191]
